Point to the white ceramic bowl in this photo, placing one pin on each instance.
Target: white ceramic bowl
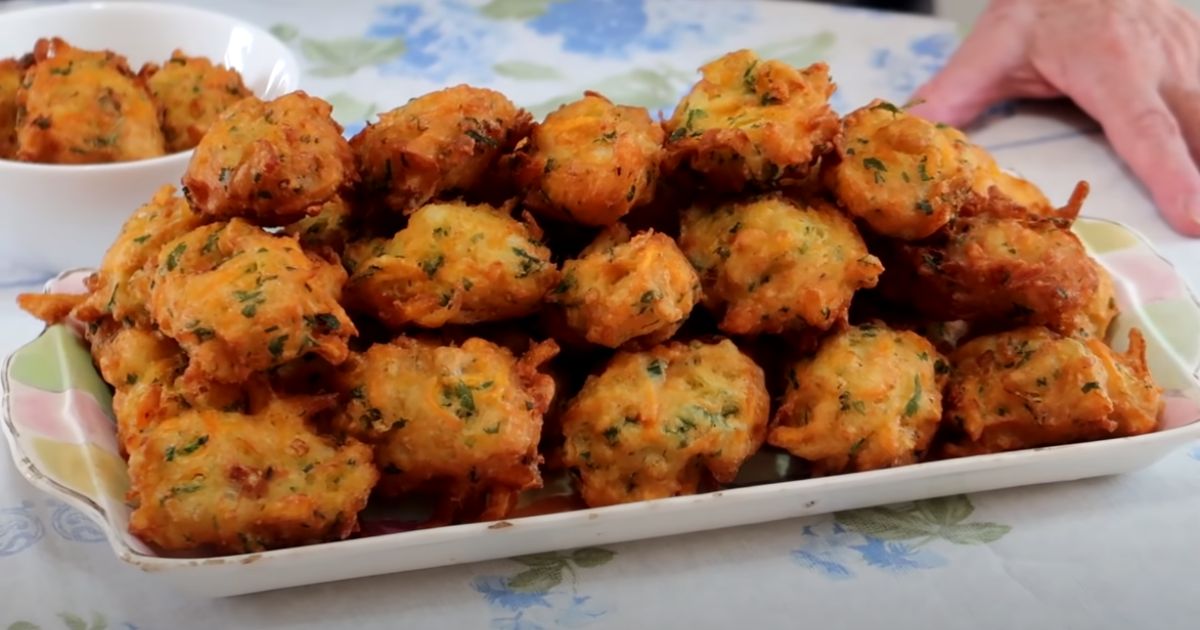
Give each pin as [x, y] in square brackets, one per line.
[54, 217]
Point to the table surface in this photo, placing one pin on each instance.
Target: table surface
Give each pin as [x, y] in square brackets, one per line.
[1102, 553]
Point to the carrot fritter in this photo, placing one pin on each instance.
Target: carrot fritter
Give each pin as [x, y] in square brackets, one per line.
[1093, 318]
[751, 122]
[237, 482]
[329, 227]
[240, 300]
[191, 92]
[50, 308]
[871, 397]
[461, 419]
[445, 141]
[79, 106]
[120, 288]
[454, 264]
[1033, 387]
[770, 264]
[590, 162]
[621, 288]
[898, 172]
[11, 73]
[270, 162]
[653, 424]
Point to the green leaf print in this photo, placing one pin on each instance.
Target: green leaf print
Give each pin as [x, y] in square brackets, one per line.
[550, 558]
[515, 9]
[591, 557]
[652, 89]
[537, 579]
[23, 625]
[928, 519]
[285, 32]
[347, 109]
[527, 71]
[345, 55]
[800, 51]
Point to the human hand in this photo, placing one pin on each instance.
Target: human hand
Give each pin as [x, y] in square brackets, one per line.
[1133, 65]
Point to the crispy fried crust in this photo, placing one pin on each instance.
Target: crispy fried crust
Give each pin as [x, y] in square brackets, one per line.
[590, 162]
[191, 93]
[751, 122]
[771, 264]
[441, 142]
[270, 163]
[79, 107]
[653, 424]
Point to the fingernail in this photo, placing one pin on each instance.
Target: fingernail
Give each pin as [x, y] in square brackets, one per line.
[1191, 214]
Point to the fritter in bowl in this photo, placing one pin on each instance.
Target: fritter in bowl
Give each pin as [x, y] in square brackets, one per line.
[752, 122]
[590, 162]
[192, 93]
[624, 288]
[771, 264]
[454, 263]
[270, 162]
[655, 424]
[78, 106]
[871, 397]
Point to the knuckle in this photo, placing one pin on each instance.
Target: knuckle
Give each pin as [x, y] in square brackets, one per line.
[1154, 122]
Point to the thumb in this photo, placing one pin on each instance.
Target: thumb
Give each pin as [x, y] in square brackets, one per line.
[977, 74]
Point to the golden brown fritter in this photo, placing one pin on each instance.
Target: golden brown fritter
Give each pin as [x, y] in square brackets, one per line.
[590, 162]
[191, 92]
[79, 107]
[120, 289]
[621, 288]
[1093, 318]
[51, 308]
[445, 141]
[996, 270]
[993, 187]
[653, 423]
[329, 227]
[240, 300]
[1033, 387]
[461, 419]
[11, 73]
[455, 263]
[271, 162]
[898, 172]
[770, 264]
[237, 482]
[752, 122]
[871, 397]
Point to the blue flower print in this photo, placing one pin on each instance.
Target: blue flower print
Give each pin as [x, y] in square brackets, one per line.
[544, 593]
[495, 590]
[73, 524]
[616, 28]
[897, 557]
[906, 69]
[1195, 453]
[20, 528]
[449, 40]
[825, 554]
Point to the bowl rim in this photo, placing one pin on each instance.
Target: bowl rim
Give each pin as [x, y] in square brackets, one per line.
[184, 11]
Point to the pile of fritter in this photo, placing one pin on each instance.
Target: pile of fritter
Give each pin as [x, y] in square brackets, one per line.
[459, 300]
[66, 105]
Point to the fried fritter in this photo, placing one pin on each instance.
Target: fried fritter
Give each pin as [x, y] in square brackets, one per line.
[621, 288]
[871, 397]
[653, 423]
[192, 93]
[51, 308]
[79, 107]
[271, 162]
[455, 263]
[241, 300]
[445, 141]
[771, 264]
[993, 187]
[1033, 387]
[898, 172]
[235, 482]
[751, 122]
[120, 288]
[11, 73]
[996, 270]
[1093, 318]
[464, 420]
[329, 227]
[590, 162]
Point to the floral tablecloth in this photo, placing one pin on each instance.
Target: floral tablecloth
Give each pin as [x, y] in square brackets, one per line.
[1103, 553]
